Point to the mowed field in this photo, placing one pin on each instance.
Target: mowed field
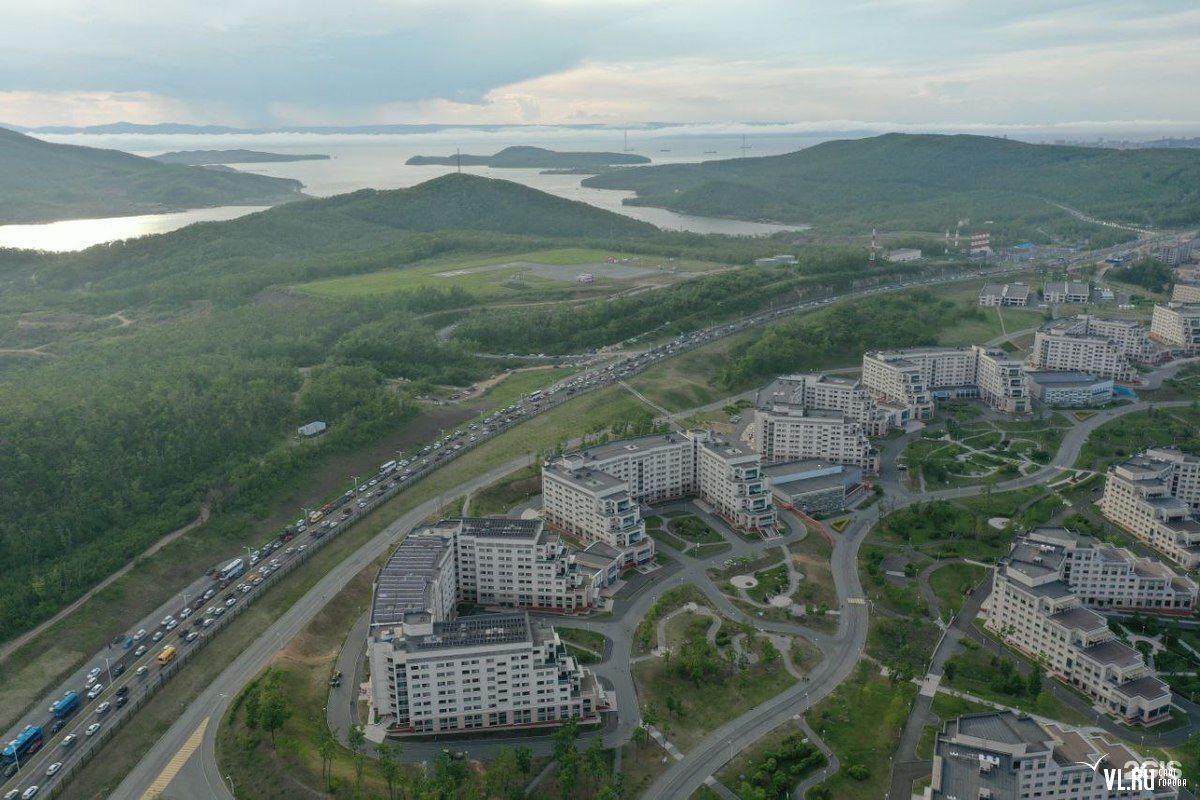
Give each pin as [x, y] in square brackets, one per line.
[514, 274]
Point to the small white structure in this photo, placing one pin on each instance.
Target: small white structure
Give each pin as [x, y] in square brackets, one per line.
[314, 428]
[903, 255]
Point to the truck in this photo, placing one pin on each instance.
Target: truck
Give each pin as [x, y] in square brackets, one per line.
[65, 706]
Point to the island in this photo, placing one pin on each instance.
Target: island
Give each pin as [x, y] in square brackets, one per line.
[532, 158]
[202, 158]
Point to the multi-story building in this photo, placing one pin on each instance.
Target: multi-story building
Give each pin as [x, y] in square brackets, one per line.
[594, 493]
[1034, 611]
[1184, 293]
[816, 487]
[1006, 294]
[1177, 327]
[786, 432]
[1060, 292]
[1101, 575]
[1104, 348]
[912, 379]
[1069, 389]
[433, 673]
[828, 393]
[1154, 496]
[997, 755]
[1175, 253]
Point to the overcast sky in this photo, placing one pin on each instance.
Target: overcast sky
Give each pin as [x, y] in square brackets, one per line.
[938, 63]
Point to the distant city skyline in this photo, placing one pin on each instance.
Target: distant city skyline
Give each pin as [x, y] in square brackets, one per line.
[1082, 68]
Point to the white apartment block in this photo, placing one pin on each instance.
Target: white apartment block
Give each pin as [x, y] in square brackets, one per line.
[596, 491]
[912, 379]
[1101, 575]
[1177, 327]
[1006, 294]
[1036, 613]
[492, 671]
[786, 432]
[1069, 389]
[1185, 293]
[997, 755]
[828, 393]
[1140, 496]
[1104, 348]
[1060, 292]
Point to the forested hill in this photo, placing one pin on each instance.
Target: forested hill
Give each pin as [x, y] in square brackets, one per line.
[929, 182]
[321, 238]
[534, 158]
[41, 182]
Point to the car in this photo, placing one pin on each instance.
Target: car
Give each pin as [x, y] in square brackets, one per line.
[229, 603]
[301, 548]
[257, 581]
[209, 594]
[53, 768]
[122, 700]
[218, 611]
[58, 725]
[90, 681]
[91, 729]
[191, 637]
[167, 620]
[157, 637]
[172, 625]
[94, 672]
[118, 670]
[69, 740]
[141, 671]
[141, 651]
[29, 793]
[9, 771]
[103, 708]
[185, 613]
[210, 610]
[121, 692]
[15, 793]
[95, 691]
[360, 505]
[141, 634]
[290, 550]
[208, 621]
[246, 589]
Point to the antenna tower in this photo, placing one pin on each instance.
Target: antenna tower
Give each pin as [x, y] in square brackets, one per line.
[744, 146]
[874, 247]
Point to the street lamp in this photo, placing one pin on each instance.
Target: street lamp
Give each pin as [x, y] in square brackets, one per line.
[108, 669]
[355, 479]
[232, 788]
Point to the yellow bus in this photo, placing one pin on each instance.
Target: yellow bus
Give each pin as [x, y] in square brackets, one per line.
[166, 655]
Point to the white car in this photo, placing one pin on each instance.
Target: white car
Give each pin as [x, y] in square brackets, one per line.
[141, 634]
[208, 621]
[69, 740]
[91, 729]
[157, 637]
[229, 603]
[142, 670]
[246, 589]
[141, 651]
[95, 691]
[172, 625]
[103, 708]
[53, 768]
[218, 611]
[193, 636]
[185, 613]
[30, 792]
[167, 620]
[94, 673]
[90, 681]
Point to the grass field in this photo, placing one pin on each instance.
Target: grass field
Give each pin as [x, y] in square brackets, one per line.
[507, 492]
[1124, 436]
[951, 583]
[475, 276]
[811, 559]
[521, 382]
[745, 762]
[996, 322]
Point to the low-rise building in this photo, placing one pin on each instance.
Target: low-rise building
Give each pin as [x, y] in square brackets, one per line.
[997, 755]
[1069, 389]
[1155, 496]
[1004, 294]
[1060, 292]
[1177, 326]
[816, 487]
[1035, 612]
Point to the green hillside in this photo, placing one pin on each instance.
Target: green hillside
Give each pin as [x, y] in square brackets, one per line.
[929, 182]
[41, 182]
[534, 158]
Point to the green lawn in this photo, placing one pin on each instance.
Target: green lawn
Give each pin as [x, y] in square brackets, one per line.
[520, 383]
[694, 530]
[968, 332]
[978, 672]
[1124, 436]
[507, 492]
[662, 537]
[770, 582]
[951, 583]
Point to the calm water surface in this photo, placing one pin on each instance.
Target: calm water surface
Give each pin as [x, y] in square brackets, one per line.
[377, 162]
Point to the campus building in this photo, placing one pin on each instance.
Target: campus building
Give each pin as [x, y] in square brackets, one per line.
[434, 673]
[1177, 326]
[1036, 612]
[997, 755]
[1101, 575]
[823, 392]
[1004, 294]
[1155, 497]
[910, 380]
[1061, 292]
[1069, 389]
[1105, 348]
[790, 433]
[594, 494]
[816, 487]
[1185, 293]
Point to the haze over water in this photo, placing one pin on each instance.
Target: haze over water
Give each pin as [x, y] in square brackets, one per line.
[361, 161]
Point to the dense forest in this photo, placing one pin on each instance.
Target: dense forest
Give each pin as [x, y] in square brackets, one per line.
[40, 182]
[928, 183]
[1149, 273]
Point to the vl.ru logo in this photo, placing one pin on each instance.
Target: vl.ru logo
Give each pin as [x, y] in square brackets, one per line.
[1140, 776]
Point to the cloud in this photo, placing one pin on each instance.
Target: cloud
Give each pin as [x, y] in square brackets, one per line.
[90, 108]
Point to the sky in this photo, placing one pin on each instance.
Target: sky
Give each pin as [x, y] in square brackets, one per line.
[903, 64]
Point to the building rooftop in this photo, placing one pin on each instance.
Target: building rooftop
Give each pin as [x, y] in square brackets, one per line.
[403, 585]
[1002, 727]
[1148, 688]
[1080, 619]
[586, 477]
[1112, 652]
[475, 631]
[641, 444]
[1065, 379]
[500, 527]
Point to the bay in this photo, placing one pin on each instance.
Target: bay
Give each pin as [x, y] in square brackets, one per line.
[360, 161]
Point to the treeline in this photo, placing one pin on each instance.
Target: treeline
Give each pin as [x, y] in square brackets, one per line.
[1149, 273]
[844, 332]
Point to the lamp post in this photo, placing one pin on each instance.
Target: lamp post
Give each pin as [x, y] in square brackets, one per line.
[108, 669]
[232, 788]
[355, 479]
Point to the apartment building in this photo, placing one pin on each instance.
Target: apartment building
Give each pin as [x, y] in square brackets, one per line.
[1061, 292]
[911, 380]
[1177, 327]
[1184, 293]
[997, 755]
[1155, 496]
[433, 673]
[1099, 347]
[786, 432]
[1101, 575]
[1035, 612]
[1069, 389]
[822, 392]
[594, 494]
[1004, 294]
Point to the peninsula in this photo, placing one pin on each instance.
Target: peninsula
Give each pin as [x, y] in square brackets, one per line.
[532, 158]
[201, 158]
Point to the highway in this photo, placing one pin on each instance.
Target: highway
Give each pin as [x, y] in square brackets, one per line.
[447, 448]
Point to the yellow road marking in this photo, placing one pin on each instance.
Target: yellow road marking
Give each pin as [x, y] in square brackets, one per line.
[177, 761]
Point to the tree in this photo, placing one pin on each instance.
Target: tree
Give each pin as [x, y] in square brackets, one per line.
[503, 776]
[649, 716]
[769, 653]
[524, 758]
[358, 738]
[389, 765]
[274, 713]
[640, 737]
[327, 747]
[1034, 684]
[595, 762]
